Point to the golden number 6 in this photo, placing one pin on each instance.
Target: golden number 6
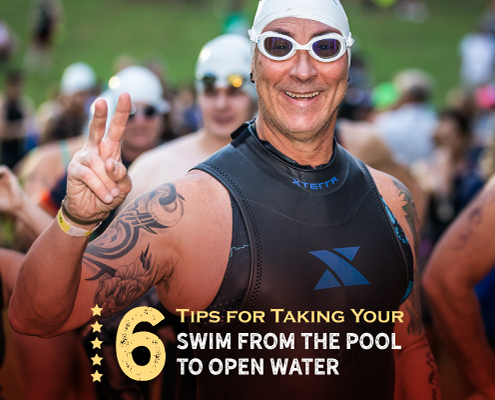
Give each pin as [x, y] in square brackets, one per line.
[127, 341]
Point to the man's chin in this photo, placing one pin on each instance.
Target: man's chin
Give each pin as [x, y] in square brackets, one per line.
[303, 127]
[220, 130]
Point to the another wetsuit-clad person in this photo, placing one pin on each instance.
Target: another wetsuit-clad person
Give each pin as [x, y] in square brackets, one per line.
[323, 231]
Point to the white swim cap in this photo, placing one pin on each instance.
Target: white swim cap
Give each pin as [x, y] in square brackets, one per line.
[328, 12]
[77, 77]
[225, 57]
[142, 85]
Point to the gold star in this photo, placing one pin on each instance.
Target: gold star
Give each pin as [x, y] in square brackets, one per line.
[96, 327]
[97, 343]
[97, 310]
[97, 359]
[96, 376]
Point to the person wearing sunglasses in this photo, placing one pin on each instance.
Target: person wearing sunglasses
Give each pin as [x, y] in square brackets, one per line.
[226, 99]
[283, 218]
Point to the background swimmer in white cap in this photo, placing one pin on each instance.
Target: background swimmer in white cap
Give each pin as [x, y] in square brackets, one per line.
[282, 218]
[226, 98]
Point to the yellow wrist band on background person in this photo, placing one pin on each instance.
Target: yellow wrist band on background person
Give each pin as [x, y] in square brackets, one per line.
[72, 230]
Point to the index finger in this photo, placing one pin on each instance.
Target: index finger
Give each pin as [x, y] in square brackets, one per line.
[98, 124]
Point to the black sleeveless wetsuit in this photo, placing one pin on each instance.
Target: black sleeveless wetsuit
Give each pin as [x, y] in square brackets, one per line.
[319, 240]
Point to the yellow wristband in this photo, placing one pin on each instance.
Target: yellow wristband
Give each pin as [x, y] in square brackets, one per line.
[72, 230]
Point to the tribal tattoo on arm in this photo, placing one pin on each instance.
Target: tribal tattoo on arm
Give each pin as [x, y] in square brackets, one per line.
[412, 303]
[410, 212]
[433, 378]
[120, 286]
[475, 216]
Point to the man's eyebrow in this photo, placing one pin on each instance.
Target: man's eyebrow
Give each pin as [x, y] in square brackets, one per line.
[320, 33]
[325, 31]
[283, 32]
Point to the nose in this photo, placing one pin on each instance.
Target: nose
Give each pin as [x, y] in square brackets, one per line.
[139, 118]
[221, 100]
[303, 68]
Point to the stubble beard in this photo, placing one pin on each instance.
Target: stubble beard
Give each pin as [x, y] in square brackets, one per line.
[305, 136]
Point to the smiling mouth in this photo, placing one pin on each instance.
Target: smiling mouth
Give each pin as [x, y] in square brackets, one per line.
[306, 96]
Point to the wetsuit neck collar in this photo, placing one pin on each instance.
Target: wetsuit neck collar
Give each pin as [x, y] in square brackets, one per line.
[323, 179]
[282, 156]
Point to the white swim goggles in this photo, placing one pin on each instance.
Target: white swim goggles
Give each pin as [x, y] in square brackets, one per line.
[326, 48]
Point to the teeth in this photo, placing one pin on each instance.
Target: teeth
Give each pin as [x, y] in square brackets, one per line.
[302, 96]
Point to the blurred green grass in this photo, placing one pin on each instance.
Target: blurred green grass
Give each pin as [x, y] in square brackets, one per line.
[98, 31]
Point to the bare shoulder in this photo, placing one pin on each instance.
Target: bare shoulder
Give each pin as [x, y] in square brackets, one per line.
[37, 157]
[469, 229]
[465, 252]
[482, 210]
[387, 184]
[46, 163]
[166, 153]
[400, 202]
[205, 237]
[201, 183]
[163, 164]
[206, 202]
[195, 192]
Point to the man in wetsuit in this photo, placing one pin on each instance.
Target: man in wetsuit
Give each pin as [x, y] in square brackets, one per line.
[324, 232]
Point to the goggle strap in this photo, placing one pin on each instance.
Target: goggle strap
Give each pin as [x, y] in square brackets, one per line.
[253, 36]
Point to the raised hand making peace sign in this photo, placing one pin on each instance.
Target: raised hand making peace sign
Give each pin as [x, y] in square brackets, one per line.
[97, 180]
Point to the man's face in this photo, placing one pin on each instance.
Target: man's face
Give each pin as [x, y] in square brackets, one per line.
[279, 82]
[224, 110]
[143, 128]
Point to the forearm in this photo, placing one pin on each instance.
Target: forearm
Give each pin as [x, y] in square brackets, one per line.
[48, 282]
[416, 373]
[458, 321]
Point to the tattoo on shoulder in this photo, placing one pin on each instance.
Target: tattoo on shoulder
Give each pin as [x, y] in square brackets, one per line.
[475, 217]
[412, 304]
[157, 210]
[410, 212]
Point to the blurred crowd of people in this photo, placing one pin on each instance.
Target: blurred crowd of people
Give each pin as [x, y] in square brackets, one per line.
[444, 157]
